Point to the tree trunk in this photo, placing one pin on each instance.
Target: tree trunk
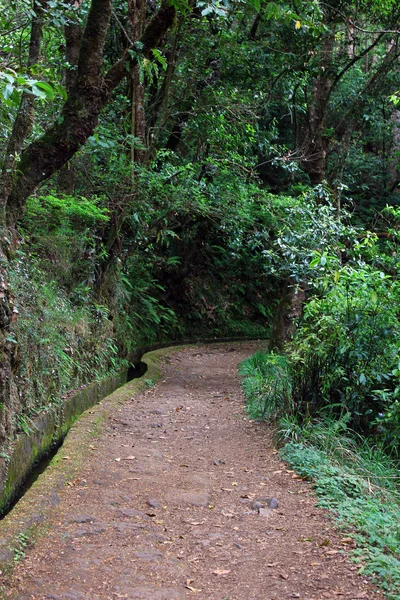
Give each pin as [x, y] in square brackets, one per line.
[137, 13]
[288, 311]
[90, 93]
[315, 144]
[394, 160]
[73, 36]
[25, 116]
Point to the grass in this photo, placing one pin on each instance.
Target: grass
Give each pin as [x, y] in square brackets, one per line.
[266, 384]
[364, 502]
[352, 477]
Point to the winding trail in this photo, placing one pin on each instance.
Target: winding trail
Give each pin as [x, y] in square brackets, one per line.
[163, 509]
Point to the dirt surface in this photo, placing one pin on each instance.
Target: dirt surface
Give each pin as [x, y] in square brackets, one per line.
[184, 497]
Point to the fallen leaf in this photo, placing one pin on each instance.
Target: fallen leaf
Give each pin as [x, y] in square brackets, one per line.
[324, 543]
[221, 572]
[331, 552]
[192, 589]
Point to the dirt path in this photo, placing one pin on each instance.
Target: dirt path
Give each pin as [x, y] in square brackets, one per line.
[163, 509]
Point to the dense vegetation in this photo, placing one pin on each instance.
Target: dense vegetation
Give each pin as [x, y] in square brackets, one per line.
[177, 169]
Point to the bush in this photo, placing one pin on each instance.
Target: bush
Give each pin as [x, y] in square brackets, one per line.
[345, 352]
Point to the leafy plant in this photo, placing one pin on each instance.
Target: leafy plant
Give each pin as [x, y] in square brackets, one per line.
[267, 385]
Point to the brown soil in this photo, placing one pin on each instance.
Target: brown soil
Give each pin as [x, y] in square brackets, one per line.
[164, 508]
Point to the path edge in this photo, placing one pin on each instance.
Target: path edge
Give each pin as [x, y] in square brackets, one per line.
[28, 520]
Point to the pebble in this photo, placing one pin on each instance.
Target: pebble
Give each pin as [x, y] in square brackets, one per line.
[83, 519]
[153, 503]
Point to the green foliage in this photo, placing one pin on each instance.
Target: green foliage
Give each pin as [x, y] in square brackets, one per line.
[12, 85]
[361, 487]
[64, 212]
[267, 385]
[347, 346]
[61, 346]
[62, 231]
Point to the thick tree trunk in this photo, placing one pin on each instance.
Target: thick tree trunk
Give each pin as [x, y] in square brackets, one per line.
[73, 37]
[24, 120]
[89, 95]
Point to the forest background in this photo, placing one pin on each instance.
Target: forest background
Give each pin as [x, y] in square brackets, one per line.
[176, 170]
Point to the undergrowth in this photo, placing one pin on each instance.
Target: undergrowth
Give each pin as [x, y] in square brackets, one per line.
[353, 477]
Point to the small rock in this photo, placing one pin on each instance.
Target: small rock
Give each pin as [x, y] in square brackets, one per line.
[264, 502]
[153, 503]
[264, 512]
[149, 555]
[272, 502]
[83, 519]
[82, 532]
[131, 512]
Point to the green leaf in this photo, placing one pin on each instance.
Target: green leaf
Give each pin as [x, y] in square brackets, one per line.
[47, 89]
[36, 91]
[8, 90]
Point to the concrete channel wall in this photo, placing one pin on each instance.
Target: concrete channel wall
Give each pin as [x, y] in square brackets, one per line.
[47, 430]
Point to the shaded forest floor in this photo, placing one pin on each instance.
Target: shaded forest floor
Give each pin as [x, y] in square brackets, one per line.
[174, 502]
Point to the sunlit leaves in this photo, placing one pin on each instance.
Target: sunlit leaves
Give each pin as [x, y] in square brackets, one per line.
[12, 85]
